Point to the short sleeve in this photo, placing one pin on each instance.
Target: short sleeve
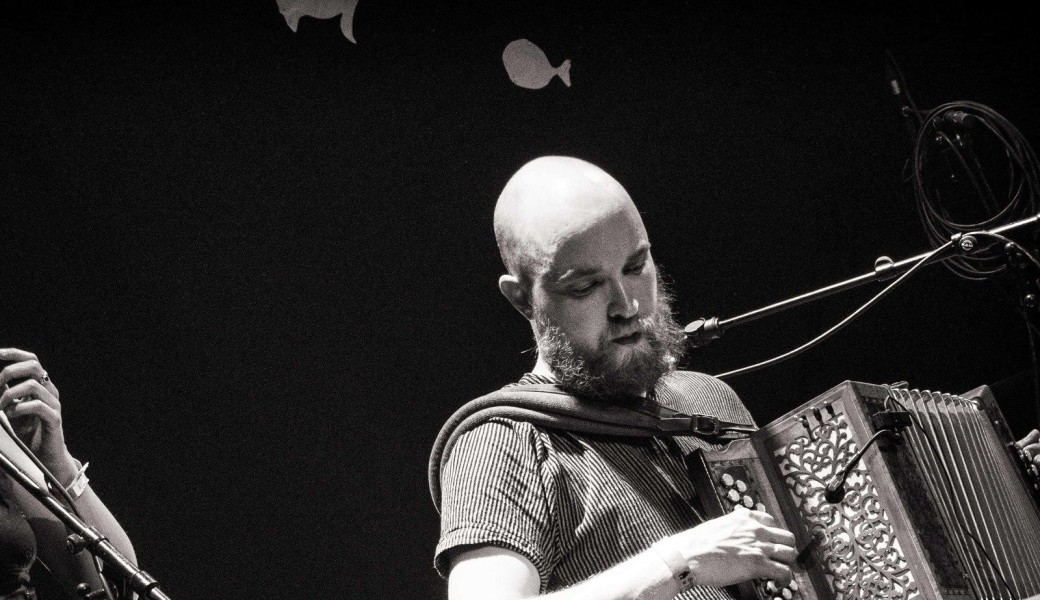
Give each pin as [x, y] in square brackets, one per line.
[492, 493]
[698, 393]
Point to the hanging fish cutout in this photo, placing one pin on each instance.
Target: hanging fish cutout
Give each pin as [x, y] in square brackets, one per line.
[292, 10]
[529, 67]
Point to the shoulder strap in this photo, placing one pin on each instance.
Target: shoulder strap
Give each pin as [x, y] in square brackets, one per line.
[550, 406]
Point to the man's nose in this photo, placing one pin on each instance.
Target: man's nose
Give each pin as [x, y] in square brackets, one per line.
[622, 304]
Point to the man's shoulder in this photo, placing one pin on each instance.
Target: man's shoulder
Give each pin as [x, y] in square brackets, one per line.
[695, 392]
[697, 383]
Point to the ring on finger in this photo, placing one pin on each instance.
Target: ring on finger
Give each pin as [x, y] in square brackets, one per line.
[45, 377]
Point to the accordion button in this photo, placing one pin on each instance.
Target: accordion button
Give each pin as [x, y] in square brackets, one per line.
[748, 501]
[787, 594]
[741, 486]
[793, 586]
[733, 496]
[727, 479]
[771, 587]
[760, 507]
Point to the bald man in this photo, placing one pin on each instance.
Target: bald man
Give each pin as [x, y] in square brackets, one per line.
[528, 510]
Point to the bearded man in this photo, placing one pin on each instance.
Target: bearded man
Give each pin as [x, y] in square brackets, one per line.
[528, 510]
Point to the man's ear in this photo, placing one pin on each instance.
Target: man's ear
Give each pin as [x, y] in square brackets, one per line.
[517, 294]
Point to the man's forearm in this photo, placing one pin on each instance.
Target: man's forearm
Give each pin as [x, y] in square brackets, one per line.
[644, 576]
[494, 574]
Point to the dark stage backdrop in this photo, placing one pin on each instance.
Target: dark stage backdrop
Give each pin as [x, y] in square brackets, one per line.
[259, 264]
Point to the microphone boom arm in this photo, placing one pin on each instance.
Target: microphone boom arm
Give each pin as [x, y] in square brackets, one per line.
[702, 332]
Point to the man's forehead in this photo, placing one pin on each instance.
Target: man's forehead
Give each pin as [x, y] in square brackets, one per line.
[600, 243]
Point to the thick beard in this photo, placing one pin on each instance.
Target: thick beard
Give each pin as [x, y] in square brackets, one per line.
[601, 376]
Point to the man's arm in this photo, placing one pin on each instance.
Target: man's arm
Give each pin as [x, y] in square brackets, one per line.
[492, 573]
[740, 546]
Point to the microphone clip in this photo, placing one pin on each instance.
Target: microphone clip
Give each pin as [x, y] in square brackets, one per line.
[702, 332]
[891, 419]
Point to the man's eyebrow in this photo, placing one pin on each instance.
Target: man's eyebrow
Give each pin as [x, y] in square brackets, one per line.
[575, 273]
[641, 251]
[578, 272]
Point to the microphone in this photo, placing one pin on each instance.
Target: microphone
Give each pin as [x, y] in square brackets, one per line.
[835, 490]
[906, 106]
[955, 117]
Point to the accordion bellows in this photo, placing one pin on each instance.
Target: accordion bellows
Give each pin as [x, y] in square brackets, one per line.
[945, 509]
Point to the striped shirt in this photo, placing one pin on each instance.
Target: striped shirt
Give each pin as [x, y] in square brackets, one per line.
[576, 504]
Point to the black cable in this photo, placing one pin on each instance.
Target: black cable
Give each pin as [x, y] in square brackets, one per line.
[1021, 171]
[1031, 329]
[835, 489]
[56, 485]
[856, 313]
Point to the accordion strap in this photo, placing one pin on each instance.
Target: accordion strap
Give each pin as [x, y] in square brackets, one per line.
[547, 405]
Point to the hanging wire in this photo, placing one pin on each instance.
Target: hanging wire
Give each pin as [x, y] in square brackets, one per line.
[956, 193]
[946, 168]
[935, 254]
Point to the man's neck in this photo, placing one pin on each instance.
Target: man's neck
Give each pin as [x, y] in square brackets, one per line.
[542, 368]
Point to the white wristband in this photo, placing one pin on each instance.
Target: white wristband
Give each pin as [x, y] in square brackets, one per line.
[79, 483]
[680, 569]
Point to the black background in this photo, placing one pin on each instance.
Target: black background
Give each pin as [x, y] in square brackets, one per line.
[260, 265]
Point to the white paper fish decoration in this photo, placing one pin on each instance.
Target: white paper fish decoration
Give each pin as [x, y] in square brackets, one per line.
[292, 10]
[529, 67]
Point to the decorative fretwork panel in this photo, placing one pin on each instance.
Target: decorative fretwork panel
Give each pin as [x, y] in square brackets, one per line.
[863, 557]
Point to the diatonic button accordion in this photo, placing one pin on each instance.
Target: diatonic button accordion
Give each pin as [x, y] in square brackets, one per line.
[890, 492]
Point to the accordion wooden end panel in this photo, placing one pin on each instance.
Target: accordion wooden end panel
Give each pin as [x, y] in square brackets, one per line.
[942, 509]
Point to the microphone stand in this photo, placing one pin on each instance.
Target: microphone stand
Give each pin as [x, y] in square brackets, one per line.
[86, 537]
[702, 332]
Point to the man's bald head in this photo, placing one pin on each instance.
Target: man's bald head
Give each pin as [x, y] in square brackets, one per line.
[547, 201]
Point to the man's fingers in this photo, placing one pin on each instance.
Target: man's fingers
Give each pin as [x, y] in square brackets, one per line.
[26, 369]
[1031, 438]
[780, 573]
[782, 553]
[37, 408]
[778, 535]
[28, 388]
[16, 354]
[762, 517]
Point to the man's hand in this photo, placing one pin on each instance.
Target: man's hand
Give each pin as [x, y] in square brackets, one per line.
[740, 546]
[1030, 448]
[30, 401]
